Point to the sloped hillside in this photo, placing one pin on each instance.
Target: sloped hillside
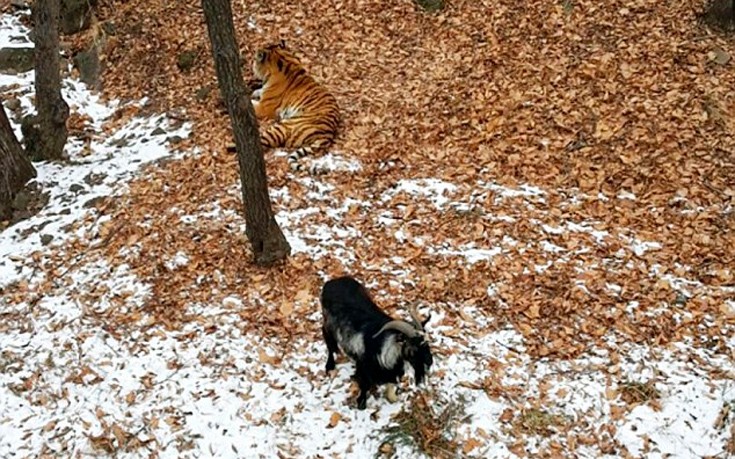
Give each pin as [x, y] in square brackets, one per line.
[553, 180]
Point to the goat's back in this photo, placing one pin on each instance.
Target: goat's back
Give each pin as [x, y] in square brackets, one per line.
[345, 301]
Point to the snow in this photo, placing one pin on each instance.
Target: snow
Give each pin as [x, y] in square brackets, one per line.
[66, 380]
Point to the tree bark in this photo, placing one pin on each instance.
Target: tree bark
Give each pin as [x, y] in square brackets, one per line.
[267, 241]
[45, 134]
[15, 168]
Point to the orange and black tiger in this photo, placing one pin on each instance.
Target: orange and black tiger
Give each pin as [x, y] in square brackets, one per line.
[306, 115]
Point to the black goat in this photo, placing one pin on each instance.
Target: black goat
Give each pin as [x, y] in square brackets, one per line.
[378, 344]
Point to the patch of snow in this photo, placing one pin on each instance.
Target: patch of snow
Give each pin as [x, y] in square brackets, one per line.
[179, 259]
[97, 171]
[433, 189]
[332, 162]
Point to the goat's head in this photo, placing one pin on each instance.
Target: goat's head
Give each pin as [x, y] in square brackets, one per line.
[414, 346]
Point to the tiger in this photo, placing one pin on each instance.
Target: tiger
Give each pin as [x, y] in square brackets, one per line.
[306, 115]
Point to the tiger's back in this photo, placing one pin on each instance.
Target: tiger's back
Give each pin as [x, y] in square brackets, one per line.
[306, 115]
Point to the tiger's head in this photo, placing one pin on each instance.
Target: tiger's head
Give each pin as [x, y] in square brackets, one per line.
[272, 60]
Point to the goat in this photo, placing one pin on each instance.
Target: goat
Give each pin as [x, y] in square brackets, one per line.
[378, 344]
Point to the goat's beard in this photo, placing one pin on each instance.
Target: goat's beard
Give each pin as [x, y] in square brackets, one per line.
[419, 373]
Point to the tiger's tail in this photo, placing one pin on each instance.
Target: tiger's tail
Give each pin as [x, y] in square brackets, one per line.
[294, 157]
[318, 146]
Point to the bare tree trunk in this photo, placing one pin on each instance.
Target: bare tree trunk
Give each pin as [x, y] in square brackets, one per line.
[45, 134]
[15, 168]
[266, 238]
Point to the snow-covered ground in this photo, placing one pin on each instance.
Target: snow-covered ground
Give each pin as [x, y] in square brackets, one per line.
[74, 384]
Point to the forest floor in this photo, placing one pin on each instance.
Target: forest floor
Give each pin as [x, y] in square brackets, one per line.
[554, 181]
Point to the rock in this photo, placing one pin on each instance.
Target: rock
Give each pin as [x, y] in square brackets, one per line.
[119, 142]
[174, 139]
[94, 179]
[31, 136]
[20, 4]
[186, 60]
[76, 188]
[89, 66]
[76, 15]
[720, 15]
[203, 93]
[719, 56]
[97, 202]
[16, 60]
[431, 5]
[158, 131]
[21, 201]
[13, 104]
[109, 28]
[46, 239]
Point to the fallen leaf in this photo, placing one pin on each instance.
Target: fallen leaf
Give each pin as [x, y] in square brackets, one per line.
[334, 419]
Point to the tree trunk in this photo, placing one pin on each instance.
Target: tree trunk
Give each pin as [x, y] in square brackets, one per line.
[45, 134]
[266, 238]
[15, 168]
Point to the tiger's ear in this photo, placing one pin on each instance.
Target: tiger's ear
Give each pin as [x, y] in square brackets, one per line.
[282, 44]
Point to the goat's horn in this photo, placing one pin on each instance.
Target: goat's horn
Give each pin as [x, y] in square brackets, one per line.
[415, 317]
[401, 326]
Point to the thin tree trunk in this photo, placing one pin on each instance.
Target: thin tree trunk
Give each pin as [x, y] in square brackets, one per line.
[267, 240]
[45, 134]
[15, 168]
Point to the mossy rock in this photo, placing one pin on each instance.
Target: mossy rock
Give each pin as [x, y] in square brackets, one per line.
[430, 5]
[186, 60]
[16, 60]
[720, 15]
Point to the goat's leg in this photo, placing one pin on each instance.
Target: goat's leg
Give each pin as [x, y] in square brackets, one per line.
[332, 348]
[364, 382]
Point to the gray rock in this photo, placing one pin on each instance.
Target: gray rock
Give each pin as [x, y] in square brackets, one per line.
[76, 188]
[158, 131]
[13, 104]
[31, 131]
[109, 28]
[21, 201]
[16, 60]
[119, 142]
[90, 67]
[94, 179]
[95, 202]
[76, 15]
[20, 4]
[46, 239]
